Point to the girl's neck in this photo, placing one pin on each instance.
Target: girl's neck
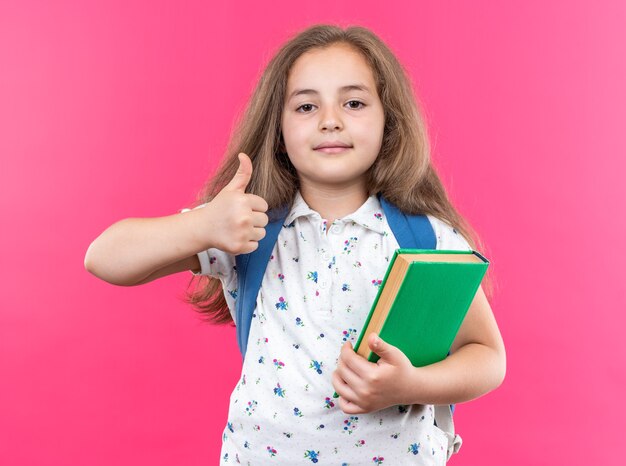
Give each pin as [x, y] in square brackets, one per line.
[333, 203]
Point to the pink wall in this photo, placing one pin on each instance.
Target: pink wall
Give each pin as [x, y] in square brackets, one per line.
[117, 109]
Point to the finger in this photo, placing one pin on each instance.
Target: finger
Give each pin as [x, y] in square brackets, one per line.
[387, 352]
[354, 361]
[259, 219]
[342, 388]
[348, 376]
[250, 247]
[257, 203]
[240, 181]
[258, 234]
[350, 407]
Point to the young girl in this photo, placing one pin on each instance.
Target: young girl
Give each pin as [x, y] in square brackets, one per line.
[331, 125]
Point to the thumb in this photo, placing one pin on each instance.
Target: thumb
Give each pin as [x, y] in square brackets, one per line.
[383, 349]
[242, 177]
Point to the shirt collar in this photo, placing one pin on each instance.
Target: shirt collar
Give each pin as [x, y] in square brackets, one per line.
[370, 215]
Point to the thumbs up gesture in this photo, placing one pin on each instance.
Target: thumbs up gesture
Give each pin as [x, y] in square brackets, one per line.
[238, 218]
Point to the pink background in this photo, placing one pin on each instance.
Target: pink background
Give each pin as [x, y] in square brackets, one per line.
[115, 109]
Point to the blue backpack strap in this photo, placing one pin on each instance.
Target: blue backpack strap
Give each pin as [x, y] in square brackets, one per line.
[250, 270]
[411, 231]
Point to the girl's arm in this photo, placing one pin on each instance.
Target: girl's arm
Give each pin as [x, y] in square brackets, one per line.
[476, 365]
[134, 251]
[137, 250]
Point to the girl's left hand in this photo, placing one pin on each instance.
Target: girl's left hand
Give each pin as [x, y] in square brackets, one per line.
[365, 386]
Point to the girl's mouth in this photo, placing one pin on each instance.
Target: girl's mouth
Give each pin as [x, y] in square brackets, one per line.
[333, 150]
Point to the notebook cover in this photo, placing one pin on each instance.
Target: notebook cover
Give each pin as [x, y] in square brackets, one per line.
[430, 306]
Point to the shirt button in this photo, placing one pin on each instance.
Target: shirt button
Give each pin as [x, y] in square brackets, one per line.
[336, 229]
[323, 284]
[326, 256]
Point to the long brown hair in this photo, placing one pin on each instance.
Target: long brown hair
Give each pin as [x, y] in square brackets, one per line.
[402, 173]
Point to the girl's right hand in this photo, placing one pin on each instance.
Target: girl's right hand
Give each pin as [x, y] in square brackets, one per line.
[237, 218]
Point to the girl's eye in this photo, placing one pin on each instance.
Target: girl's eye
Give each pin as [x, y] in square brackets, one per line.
[357, 106]
[353, 104]
[302, 107]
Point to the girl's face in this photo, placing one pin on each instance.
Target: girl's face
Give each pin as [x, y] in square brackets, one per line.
[332, 100]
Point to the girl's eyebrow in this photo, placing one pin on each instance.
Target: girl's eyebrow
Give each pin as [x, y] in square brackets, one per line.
[350, 87]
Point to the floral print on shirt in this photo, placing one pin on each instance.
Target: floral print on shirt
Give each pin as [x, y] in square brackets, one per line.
[316, 294]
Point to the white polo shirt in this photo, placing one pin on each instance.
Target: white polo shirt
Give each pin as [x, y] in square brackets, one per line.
[316, 293]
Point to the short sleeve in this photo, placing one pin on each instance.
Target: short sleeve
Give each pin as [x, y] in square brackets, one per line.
[219, 264]
[448, 238]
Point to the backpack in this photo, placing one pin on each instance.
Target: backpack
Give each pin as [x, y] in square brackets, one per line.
[411, 232]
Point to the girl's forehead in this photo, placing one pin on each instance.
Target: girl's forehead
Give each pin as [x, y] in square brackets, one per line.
[334, 66]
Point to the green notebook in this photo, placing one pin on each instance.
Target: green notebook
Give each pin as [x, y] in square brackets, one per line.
[422, 302]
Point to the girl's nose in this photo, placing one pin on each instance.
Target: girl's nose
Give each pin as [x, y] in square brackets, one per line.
[330, 121]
